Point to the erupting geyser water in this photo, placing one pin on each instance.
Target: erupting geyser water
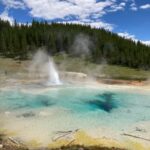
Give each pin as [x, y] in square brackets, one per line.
[43, 66]
[53, 76]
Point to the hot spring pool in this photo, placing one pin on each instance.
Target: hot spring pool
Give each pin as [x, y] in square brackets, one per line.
[100, 111]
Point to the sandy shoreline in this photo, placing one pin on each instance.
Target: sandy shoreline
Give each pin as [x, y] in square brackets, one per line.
[80, 138]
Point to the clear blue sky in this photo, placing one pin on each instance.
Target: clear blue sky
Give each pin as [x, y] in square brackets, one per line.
[128, 18]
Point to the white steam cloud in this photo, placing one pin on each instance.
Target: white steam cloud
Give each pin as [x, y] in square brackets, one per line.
[81, 46]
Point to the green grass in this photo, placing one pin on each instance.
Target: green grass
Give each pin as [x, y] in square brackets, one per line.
[100, 70]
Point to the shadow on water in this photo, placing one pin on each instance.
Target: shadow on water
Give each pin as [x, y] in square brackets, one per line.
[105, 101]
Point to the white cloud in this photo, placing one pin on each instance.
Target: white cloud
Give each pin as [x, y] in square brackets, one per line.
[82, 11]
[133, 6]
[132, 37]
[4, 16]
[146, 42]
[118, 7]
[146, 6]
[101, 24]
[127, 35]
[13, 4]
[16, 4]
[86, 12]
[61, 9]
[98, 24]
[52, 9]
[78, 10]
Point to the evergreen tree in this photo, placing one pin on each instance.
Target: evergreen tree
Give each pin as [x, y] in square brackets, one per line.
[18, 41]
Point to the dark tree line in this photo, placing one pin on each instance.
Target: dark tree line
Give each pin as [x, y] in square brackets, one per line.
[18, 41]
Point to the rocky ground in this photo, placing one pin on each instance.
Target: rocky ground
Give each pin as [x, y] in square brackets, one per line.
[8, 143]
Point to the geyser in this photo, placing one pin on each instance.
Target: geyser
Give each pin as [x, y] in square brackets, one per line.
[53, 76]
[43, 66]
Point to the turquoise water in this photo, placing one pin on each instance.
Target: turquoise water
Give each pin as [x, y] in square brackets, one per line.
[75, 107]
